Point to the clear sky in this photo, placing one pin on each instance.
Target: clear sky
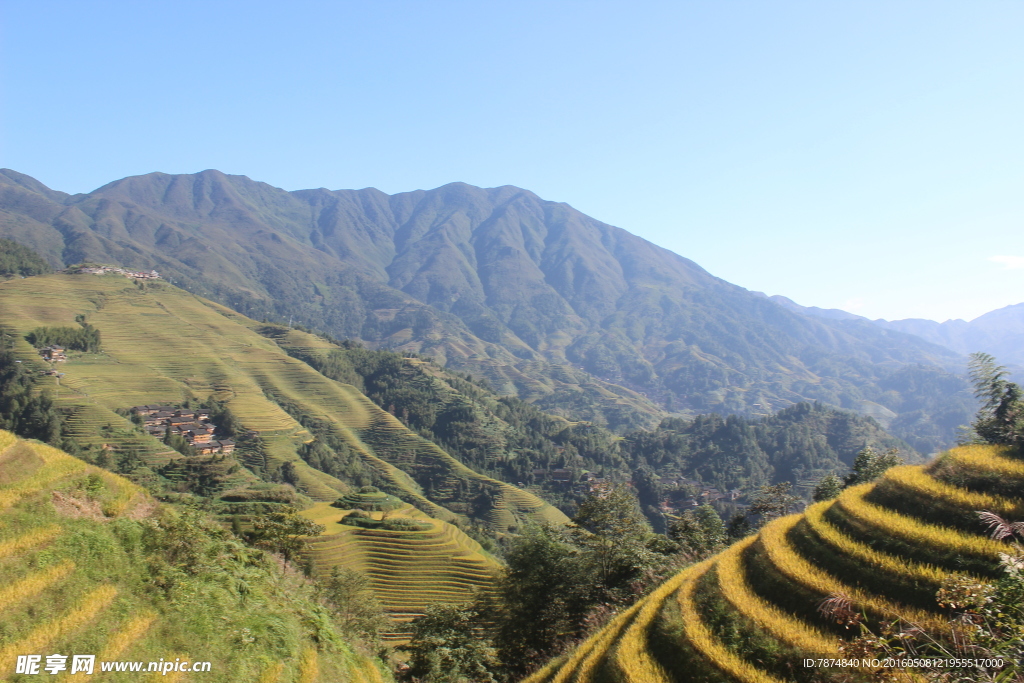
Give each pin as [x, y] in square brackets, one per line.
[857, 155]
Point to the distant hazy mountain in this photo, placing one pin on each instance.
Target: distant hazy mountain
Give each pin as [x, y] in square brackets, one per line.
[999, 332]
[827, 313]
[578, 315]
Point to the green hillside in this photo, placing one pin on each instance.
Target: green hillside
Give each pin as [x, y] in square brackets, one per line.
[90, 563]
[561, 309]
[750, 613]
[163, 345]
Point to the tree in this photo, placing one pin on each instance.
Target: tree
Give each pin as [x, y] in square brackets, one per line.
[700, 532]
[281, 532]
[447, 647]
[649, 492]
[560, 582]
[870, 465]
[354, 607]
[614, 536]
[828, 488]
[773, 501]
[178, 443]
[541, 598]
[1000, 420]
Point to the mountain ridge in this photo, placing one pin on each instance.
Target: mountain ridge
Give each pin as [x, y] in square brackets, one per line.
[999, 332]
[579, 316]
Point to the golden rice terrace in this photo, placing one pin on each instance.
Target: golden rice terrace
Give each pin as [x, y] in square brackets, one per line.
[749, 614]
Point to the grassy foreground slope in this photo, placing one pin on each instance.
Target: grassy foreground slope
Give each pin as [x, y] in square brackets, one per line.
[90, 564]
[408, 568]
[163, 345]
[749, 613]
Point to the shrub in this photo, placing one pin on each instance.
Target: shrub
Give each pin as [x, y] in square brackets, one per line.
[84, 338]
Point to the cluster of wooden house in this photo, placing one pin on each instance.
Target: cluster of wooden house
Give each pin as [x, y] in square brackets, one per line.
[54, 354]
[588, 483]
[560, 476]
[707, 494]
[100, 270]
[192, 425]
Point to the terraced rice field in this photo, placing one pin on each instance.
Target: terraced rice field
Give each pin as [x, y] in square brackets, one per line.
[158, 347]
[71, 585]
[749, 613]
[162, 345]
[408, 570]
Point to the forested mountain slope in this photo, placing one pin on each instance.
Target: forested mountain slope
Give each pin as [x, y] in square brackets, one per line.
[514, 441]
[496, 281]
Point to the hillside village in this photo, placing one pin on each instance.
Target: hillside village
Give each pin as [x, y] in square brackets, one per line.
[679, 493]
[103, 270]
[193, 426]
[54, 354]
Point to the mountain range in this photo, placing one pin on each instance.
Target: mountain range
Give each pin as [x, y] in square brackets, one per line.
[578, 316]
[999, 332]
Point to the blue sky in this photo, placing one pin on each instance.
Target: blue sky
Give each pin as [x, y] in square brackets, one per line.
[867, 156]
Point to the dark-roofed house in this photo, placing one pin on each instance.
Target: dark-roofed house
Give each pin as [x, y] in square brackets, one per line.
[561, 475]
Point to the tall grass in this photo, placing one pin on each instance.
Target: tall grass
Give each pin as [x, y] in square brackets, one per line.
[546, 673]
[372, 674]
[124, 638]
[356, 675]
[852, 501]
[272, 673]
[54, 470]
[632, 657]
[173, 676]
[309, 666]
[988, 459]
[786, 628]
[584, 660]
[104, 607]
[33, 584]
[124, 493]
[786, 560]
[914, 479]
[96, 601]
[705, 642]
[867, 555]
[7, 440]
[35, 537]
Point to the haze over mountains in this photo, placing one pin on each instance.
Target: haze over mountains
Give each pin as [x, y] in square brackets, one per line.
[579, 316]
[999, 332]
